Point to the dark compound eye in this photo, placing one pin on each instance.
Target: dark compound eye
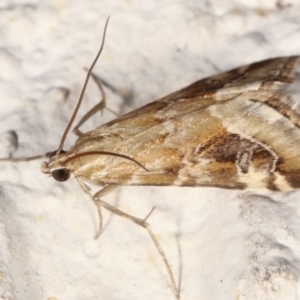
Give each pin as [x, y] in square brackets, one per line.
[61, 174]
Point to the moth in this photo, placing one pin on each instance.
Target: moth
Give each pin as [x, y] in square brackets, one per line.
[234, 130]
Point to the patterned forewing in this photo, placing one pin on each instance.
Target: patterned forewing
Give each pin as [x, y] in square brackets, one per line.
[220, 131]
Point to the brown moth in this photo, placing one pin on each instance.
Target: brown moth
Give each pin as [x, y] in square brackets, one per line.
[234, 130]
[223, 131]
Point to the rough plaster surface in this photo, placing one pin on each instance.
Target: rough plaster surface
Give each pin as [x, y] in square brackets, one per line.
[221, 244]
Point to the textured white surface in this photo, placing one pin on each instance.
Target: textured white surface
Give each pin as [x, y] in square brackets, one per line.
[233, 245]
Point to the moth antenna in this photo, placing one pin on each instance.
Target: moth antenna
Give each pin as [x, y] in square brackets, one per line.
[103, 153]
[83, 90]
[23, 159]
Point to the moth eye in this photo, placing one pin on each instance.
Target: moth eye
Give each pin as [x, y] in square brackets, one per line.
[61, 174]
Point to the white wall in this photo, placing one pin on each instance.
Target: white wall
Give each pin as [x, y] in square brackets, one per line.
[233, 245]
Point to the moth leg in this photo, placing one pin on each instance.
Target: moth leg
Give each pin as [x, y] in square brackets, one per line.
[106, 190]
[142, 223]
[99, 107]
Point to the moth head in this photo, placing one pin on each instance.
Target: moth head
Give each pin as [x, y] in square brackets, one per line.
[55, 166]
[58, 159]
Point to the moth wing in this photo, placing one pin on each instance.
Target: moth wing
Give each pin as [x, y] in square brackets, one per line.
[267, 75]
[182, 139]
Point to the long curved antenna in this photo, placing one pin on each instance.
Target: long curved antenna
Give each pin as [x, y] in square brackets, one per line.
[83, 91]
[102, 153]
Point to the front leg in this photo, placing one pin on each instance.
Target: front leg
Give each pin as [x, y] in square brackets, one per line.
[106, 190]
[141, 222]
